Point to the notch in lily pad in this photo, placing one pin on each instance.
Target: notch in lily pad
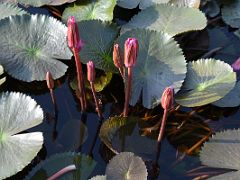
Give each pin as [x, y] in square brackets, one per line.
[18, 113]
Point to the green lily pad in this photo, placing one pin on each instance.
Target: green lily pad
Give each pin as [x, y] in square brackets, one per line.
[18, 112]
[9, 9]
[232, 99]
[207, 80]
[30, 46]
[126, 165]
[186, 3]
[101, 9]
[84, 167]
[39, 3]
[160, 63]
[231, 14]
[167, 18]
[130, 4]
[2, 80]
[222, 151]
[103, 177]
[99, 39]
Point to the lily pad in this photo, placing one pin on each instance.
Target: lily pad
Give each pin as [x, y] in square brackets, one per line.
[130, 4]
[167, 18]
[222, 151]
[30, 46]
[84, 167]
[101, 9]
[2, 80]
[231, 14]
[99, 39]
[186, 3]
[9, 9]
[207, 80]
[18, 112]
[232, 99]
[126, 166]
[160, 63]
[60, 2]
[39, 3]
[103, 177]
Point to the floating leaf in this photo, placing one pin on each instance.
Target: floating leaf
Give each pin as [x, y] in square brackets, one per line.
[130, 4]
[99, 178]
[101, 9]
[30, 46]
[98, 38]
[2, 80]
[160, 63]
[207, 80]
[232, 99]
[84, 164]
[212, 8]
[59, 2]
[222, 151]
[9, 9]
[170, 19]
[44, 2]
[18, 112]
[186, 3]
[126, 166]
[231, 14]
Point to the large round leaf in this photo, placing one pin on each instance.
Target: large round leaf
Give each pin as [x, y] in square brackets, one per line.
[222, 151]
[160, 63]
[18, 113]
[126, 166]
[231, 14]
[30, 46]
[84, 167]
[170, 19]
[207, 80]
[101, 9]
[39, 3]
[9, 9]
[130, 4]
[98, 38]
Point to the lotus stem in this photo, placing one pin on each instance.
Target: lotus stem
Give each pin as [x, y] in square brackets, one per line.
[164, 120]
[128, 92]
[62, 171]
[80, 83]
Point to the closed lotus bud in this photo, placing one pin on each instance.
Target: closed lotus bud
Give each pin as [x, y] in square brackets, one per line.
[167, 99]
[91, 71]
[73, 37]
[236, 65]
[50, 81]
[117, 58]
[130, 52]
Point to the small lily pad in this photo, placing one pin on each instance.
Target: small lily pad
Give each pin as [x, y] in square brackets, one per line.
[30, 46]
[231, 14]
[160, 63]
[207, 80]
[126, 166]
[84, 167]
[18, 112]
[98, 38]
[101, 9]
[167, 18]
[9, 9]
[222, 151]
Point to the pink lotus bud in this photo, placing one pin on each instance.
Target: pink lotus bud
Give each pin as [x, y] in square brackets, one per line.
[73, 37]
[50, 81]
[236, 65]
[117, 58]
[167, 98]
[130, 52]
[91, 71]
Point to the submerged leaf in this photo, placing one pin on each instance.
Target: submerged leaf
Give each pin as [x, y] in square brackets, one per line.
[9, 9]
[160, 63]
[101, 9]
[222, 151]
[18, 112]
[167, 18]
[231, 14]
[126, 166]
[84, 164]
[98, 38]
[207, 80]
[30, 46]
